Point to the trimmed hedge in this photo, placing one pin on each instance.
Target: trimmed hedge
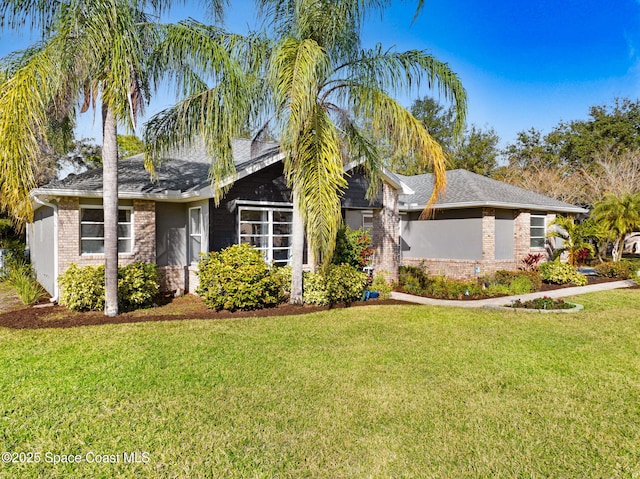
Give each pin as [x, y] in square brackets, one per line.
[238, 278]
[83, 287]
[341, 283]
[616, 269]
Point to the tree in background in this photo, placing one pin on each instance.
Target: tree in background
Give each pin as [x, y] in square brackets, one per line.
[129, 145]
[475, 150]
[619, 216]
[599, 152]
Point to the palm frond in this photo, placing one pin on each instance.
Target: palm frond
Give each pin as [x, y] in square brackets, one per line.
[402, 72]
[319, 179]
[409, 137]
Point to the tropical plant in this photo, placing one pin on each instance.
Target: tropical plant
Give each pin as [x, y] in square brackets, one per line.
[561, 273]
[89, 50]
[325, 88]
[576, 236]
[619, 216]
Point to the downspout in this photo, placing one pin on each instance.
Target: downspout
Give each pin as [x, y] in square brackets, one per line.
[54, 298]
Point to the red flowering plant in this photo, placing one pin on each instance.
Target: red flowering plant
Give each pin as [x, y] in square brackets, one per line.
[353, 247]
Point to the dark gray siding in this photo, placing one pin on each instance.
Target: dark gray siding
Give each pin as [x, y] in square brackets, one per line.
[355, 194]
[171, 234]
[41, 247]
[504, 234]
[453, 234]
[267, 185]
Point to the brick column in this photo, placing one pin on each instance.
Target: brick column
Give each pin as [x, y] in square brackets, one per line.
[144, 231]
[68, 232]
[386, 234]
[522, 233]
[488, 233]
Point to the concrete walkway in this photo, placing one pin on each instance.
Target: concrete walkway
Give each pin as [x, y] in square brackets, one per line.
[504, 300]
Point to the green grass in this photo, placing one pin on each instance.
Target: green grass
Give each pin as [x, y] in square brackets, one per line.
[381, 391]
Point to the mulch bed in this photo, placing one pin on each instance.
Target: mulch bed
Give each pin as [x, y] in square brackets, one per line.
[186, 307]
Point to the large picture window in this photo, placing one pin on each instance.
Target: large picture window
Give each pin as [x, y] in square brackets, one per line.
[538, 231]
[269, 230]
[92, 230]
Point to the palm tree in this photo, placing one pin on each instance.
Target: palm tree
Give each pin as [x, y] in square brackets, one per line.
[333, 102]
[619, 215]
[576, 236]
[89, 50]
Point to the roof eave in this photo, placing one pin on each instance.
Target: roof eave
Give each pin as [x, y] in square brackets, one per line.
[493, 204]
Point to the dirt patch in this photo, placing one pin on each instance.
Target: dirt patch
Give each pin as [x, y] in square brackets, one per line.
[186, 307]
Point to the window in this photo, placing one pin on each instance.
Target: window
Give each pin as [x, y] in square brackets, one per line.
[538, 231]
[92, 230]
[367, 221]
[269, 230]
[195, 234]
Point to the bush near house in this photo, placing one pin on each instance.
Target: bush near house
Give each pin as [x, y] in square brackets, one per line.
[353, 247]
[616, 269]
[561, 273]
[341, 283]
[83, 287]
[415, 280]
[238, 278]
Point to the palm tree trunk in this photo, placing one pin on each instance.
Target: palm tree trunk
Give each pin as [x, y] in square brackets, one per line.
[297, 251]
[618, 247]
[110, 204]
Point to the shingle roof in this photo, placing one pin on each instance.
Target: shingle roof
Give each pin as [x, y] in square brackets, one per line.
[183, 170]
[466, 189]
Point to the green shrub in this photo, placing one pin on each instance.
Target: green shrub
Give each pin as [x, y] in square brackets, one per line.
[353, 247]
[520, 285]
[341, 283]
[23, 280]
[238, 278]
[138, 285]
[380, 285]
[82, 288]
[507, 277]
[616, 269]
[284, 273]
[413, 279]
[561, 273]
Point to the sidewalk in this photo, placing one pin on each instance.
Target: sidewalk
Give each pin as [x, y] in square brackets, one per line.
[504, 300]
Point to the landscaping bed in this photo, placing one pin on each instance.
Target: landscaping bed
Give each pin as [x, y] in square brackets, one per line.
[171, 309]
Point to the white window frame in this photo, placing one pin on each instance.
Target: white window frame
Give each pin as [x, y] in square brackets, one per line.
[269, 249]
[130, 238]
[193, 235]
[544, 230]
[367, 220]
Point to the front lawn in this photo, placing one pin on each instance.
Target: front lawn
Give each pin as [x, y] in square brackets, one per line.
[378, 391]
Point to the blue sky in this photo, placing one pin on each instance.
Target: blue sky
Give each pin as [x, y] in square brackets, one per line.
[524, 64]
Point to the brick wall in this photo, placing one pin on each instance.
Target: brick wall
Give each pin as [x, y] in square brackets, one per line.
[173, 278]
[144, 227]
[460, 268]
[386, 233]
[466, 269]
[488, 233]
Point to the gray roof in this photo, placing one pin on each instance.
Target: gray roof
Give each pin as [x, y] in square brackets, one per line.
[466, 189]
[182, 171]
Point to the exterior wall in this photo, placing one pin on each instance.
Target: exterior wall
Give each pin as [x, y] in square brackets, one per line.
[505, 235]
[386, 234]
[449, 234]
[488, 234]
[41, 247]
[496, 225]
[171, 234]
[173, 278]
[144, 231]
